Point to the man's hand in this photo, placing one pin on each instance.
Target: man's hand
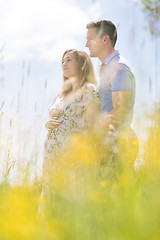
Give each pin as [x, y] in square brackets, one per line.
[52, 123]
[105, 121]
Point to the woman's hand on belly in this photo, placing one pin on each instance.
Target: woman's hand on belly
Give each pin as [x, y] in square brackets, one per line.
[52, 123]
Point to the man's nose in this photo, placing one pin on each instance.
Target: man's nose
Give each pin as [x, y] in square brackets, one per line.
[86, 44]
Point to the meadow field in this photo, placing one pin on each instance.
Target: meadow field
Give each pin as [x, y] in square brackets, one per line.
[89, 197]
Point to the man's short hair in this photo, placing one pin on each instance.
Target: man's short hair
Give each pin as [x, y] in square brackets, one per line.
[104, 27]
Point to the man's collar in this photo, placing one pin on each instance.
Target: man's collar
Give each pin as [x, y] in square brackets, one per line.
[112, 55]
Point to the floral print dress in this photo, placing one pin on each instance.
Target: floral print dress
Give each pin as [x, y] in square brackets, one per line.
[72, 117]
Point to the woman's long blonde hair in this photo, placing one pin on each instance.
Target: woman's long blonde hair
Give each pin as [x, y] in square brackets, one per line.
[85, 72]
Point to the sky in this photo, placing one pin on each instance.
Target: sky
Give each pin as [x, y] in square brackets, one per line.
[35, 33]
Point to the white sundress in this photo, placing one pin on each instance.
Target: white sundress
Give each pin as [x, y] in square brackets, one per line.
[72, 118]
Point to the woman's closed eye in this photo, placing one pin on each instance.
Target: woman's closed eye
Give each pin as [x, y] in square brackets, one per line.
[66, 61]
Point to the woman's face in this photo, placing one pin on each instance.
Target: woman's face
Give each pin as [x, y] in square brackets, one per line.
[69, 65]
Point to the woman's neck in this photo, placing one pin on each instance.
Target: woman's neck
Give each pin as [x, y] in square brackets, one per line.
[75, 83]
[75, 92]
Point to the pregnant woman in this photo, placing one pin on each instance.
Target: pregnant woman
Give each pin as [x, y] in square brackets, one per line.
[69, 111]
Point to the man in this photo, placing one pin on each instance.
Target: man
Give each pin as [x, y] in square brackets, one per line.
[117, 84]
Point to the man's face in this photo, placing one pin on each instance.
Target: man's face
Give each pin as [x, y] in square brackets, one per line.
[94, 43]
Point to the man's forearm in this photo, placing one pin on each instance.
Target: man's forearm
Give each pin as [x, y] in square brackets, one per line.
[112, 118]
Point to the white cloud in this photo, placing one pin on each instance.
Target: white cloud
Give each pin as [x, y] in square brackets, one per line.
[27, 26]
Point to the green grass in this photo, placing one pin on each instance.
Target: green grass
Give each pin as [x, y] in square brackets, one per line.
[83, 201]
